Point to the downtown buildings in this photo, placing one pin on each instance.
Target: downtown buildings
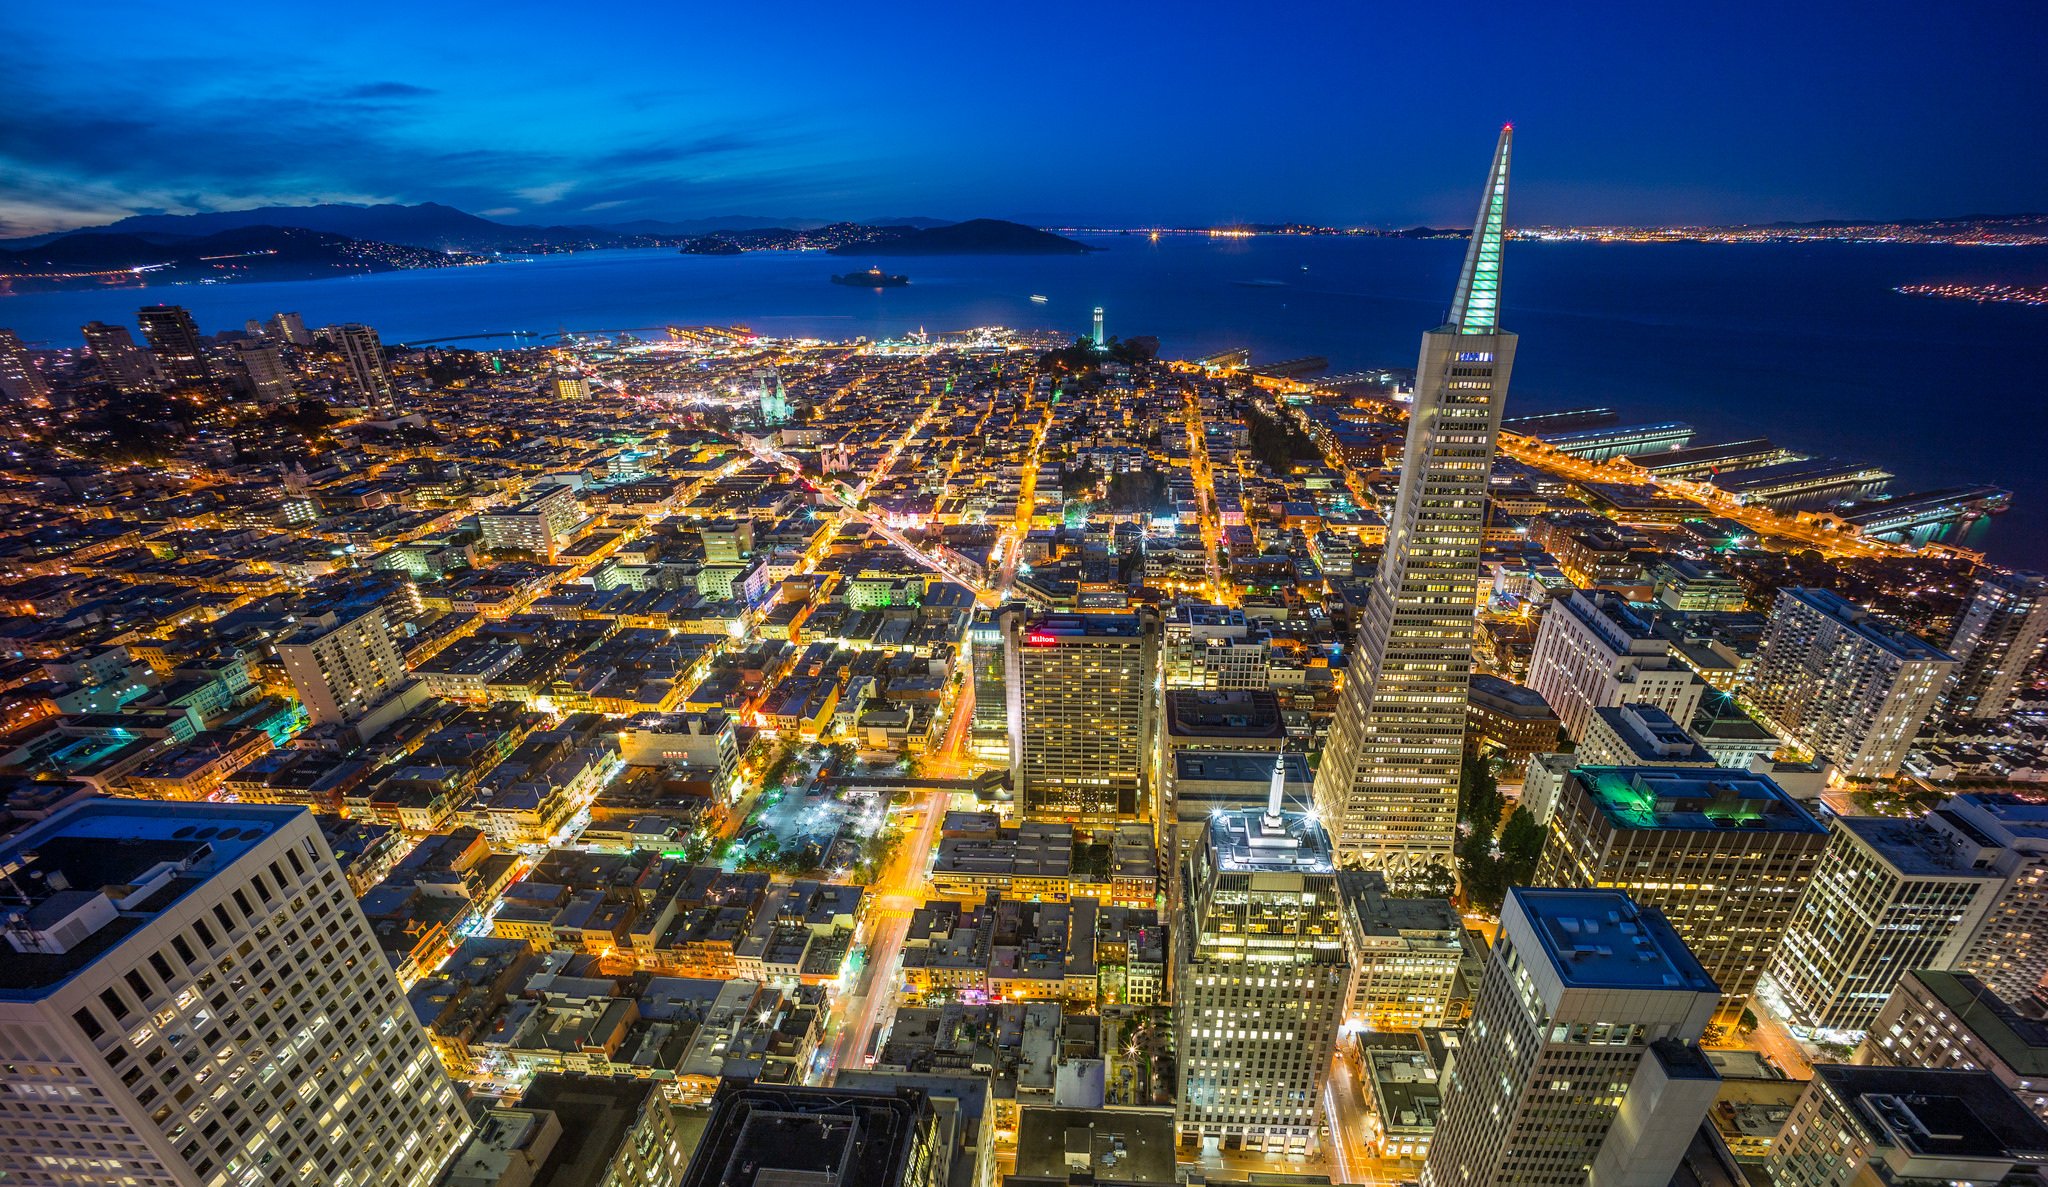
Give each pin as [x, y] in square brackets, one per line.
[1084, 685]
[190, 995]
[1263, 979]
[1843, 684]
[1582, 1063]
[1998, 638]
[1724, 854]
[1388, 782]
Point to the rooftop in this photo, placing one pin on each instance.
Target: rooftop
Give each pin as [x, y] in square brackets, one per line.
[2020, 1041]
[1120, 1147]
[1246, 840]
[1695, 798]
[1937, 1113]
[1237, 713]
[1600, 939]
[92, 874]
[1912, 847]
[1896, 640]
[765, 1136]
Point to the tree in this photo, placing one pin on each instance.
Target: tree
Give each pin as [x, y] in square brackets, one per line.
[1521, 843]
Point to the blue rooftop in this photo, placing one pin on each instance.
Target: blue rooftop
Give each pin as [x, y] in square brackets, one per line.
[1600, 939]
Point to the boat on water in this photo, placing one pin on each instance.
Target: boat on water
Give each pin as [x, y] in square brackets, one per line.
[1038, 298]
[873, 278]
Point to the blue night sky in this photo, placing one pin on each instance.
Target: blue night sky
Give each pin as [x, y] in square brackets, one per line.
[1194, 112]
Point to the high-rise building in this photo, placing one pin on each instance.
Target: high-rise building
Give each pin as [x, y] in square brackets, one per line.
[1388, 783]
[1889, 895]
[571, 386]
[182, 985]
[540, 524]
[1846, 686]
[1639, 736]
[1723, 854]
[342, 661]
[1897, 1125]
[2009, 949]
[1213, 647]
[1085, 691]
[122, 363]
[290, 327]
[989, 734]
[20, 382]
[1582, 1063]
[1201, 731]
[1592, 651]
[1405, 954]
[1942, 1019]
[173, 338]
[1997, 640]
[773, 1135]
[269, 380]
[363, 351]
[1263, 980]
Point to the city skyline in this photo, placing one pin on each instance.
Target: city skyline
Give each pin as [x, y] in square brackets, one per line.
[1070, 115]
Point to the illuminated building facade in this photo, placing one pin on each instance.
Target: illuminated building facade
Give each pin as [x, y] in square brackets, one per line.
[190, 996]
[173, 338]
[1388, 784]
[1262, 981]
[1085, 691]
[1997, 640]
[363, 351]
[1843, 684]
[1582, 1064]
[1723, 853]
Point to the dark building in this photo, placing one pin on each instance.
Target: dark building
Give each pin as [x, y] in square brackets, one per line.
[173, 338]
[758, 1136]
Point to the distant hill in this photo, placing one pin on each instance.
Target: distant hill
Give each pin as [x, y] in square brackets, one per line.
[976, 236]
[429, 225]
[240, 253]
[921, 222]
[705, 226]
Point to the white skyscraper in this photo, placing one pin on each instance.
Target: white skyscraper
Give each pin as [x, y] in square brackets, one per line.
[190, 996]
[1263, 979]
[1582, 1063]
[1849, 687]
[1388, 784]
[1997, 640]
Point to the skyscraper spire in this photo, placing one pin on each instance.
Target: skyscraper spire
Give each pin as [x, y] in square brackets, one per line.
[1476, 308]
[1388, 783]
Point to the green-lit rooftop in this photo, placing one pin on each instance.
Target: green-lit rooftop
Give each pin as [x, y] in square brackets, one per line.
[1698, 798]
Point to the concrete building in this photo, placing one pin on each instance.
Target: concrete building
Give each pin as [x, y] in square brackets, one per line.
[988, 660]
[539, 524]
[342, 661]
[268, 379]
[159, 953]
[20, 382]
[1405, 954]
[122, 363]
[290, 327]
[1263, 980]
[1998, 639]
[611, 1131]
[173, 338]
[1723, 854]
[1889, 895]
[778, 1136]
[1512, 720]
[1844, 685]
[363, 353]
[1085, 689]
[1592, 651]
[2009, 950]
[1213, 647]
[1880, 1125]
[1937, 1018]
[571, 386]
[1639, 736]
[1582, 1064]
[1388, 783]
